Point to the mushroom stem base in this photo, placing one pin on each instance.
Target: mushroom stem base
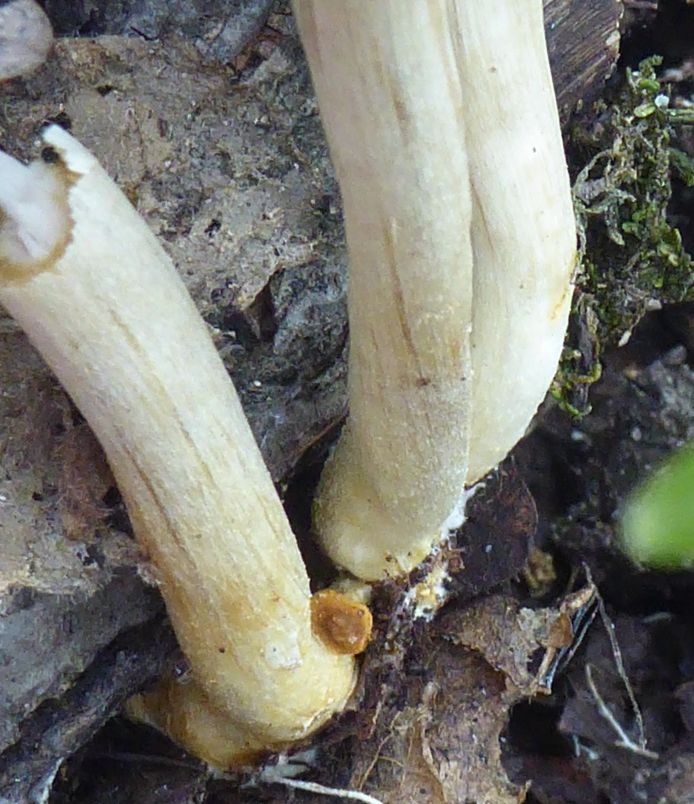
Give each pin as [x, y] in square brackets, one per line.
[181, 710]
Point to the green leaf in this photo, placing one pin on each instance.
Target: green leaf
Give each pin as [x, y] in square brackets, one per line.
[645, 109]
[658, 521]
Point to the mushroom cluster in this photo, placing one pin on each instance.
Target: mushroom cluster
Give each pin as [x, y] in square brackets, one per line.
[99, 298]
[443, 128]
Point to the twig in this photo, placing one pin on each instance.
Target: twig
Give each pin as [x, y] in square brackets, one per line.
[619, 663]
[314, 787]
[624, 740]
[152, 759]
[642, 5]
[617, 654]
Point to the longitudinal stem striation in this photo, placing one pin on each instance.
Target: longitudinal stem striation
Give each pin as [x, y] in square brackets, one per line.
[443, 129]
[101, 301]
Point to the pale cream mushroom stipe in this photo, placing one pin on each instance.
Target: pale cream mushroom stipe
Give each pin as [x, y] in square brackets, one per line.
[101, 301]
[444, 132]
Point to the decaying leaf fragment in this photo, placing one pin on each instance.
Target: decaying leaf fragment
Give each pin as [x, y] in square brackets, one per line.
[435, 736]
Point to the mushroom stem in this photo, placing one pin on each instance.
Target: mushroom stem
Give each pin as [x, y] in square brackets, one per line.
[444, 133]
[388, 90]
[523, 226]
[102, 302]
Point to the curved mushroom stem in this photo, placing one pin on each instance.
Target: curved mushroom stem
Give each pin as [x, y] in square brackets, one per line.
[444, 133]
[102, 302]
[523, 226]
[389, 94]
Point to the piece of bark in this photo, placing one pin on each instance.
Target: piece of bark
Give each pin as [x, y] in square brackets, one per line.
[583, 38]
[61, 601]
[62, 726]
[218, 29]
[500, 523]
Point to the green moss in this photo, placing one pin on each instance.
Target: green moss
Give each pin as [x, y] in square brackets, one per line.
[572, 381]
[632, 259]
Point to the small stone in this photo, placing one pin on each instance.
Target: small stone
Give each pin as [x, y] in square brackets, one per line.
[25, 38]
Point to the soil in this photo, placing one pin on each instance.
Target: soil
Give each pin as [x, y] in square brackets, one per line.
[556, 672]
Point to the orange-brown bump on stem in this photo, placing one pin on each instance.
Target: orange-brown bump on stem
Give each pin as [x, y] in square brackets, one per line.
[342, 624]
